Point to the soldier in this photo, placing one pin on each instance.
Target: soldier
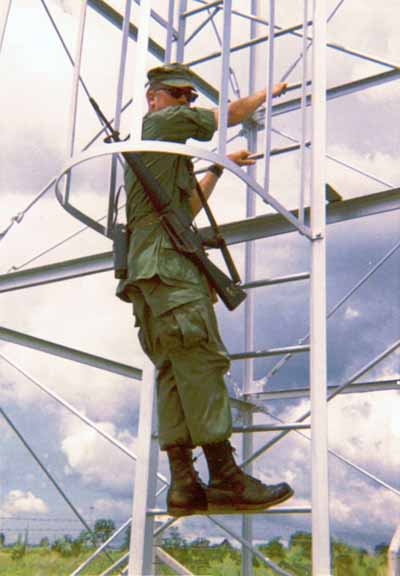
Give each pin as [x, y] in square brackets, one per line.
[173, 306]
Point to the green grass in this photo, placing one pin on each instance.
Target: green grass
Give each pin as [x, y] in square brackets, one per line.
[44, 562]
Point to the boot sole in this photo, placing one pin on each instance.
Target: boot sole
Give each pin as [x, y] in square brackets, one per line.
[235, 508]
[178, 512]
[228, 509]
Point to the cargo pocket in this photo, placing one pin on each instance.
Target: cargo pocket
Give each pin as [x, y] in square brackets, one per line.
[183, 327]
[192, 324]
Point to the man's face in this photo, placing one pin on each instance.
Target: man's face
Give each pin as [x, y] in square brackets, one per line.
[159, 98]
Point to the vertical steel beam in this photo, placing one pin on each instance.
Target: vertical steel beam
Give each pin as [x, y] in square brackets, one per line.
[394, 555]
[248, 365]
[318, 355]
[170, 31]
[118, 107]
[304, 111]
[270, 85]
[4, 14]
[140, 69]
[180, 46]
[75, 91]
[224, 86]
[141, 543]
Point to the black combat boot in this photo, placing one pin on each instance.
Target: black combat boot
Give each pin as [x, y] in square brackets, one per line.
[231, 490]
[186, 494]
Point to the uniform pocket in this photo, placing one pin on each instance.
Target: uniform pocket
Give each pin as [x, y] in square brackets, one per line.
[183, 327]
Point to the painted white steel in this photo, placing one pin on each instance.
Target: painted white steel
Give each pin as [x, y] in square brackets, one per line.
[76, 77]
[69, 407]
[394, 555]
[270, 85]
[250, 254]
[75, 92]
[4, 14]
[303, 145]
[169, 561]
[140, 70]
[29, 341]
[184, 150]
[141, 544]
[118, 107]
[224, 86]
[88, 560]
[180, 46]
[170, 31]
[321, 564]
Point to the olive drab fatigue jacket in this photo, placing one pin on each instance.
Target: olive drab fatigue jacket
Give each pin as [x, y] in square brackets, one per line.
[150, 251]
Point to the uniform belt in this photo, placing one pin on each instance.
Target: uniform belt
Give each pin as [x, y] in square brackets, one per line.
[145, 221]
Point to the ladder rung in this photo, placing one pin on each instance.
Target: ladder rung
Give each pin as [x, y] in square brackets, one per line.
[277, 280]
[277, 510]
[270, 352]
[271, 427]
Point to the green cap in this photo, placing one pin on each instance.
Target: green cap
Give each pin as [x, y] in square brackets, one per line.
[174, 74]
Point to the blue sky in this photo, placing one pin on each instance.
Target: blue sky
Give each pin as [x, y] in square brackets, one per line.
[83, 313]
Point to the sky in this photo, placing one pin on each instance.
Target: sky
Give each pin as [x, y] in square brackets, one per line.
[84, 313]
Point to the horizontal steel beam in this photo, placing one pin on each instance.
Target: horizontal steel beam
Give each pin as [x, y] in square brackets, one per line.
[57, 272]
[270, 428]
[270, 352]
[341, 90]
[99, 362]
[274, 225]
[234, 233]
[276, 280]
[281, 510]
[359, 388]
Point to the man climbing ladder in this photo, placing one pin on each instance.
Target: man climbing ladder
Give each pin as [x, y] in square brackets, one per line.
[173, 306]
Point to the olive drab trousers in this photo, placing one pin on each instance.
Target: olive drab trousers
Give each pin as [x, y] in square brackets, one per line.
[185, 346]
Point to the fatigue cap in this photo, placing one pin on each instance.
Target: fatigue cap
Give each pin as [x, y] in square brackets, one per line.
[174, 74]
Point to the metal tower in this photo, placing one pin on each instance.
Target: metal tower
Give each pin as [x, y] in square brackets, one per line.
[183, 30]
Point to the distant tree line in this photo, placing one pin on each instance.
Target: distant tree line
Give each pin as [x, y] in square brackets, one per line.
[202, 556]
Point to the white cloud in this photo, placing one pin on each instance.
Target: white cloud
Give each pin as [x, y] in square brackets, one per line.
[111, 507]
[361, 428]
[17, 502]
[97, 461]
[351, 313]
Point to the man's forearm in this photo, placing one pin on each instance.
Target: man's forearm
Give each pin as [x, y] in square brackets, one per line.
[242, 108]
[207, 185]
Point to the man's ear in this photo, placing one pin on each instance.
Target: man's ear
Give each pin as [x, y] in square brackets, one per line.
[151, 99]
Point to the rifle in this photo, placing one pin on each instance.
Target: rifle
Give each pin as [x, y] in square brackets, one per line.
[176, 223]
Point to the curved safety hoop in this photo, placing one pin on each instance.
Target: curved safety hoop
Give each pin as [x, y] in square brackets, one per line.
[167, 148]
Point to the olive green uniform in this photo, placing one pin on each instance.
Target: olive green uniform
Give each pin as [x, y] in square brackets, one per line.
[171, 299]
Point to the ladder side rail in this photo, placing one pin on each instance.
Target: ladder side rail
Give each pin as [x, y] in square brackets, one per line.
[141, 542]
[75, 92]
[170, 31]
[144, 493]
[140, 71]
[180, 45]
[394, 555]
[117, 116]
[225, 75]
[250, 263]
[270, 85]
[304, 117]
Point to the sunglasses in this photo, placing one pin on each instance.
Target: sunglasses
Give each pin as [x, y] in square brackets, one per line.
[189, 94]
